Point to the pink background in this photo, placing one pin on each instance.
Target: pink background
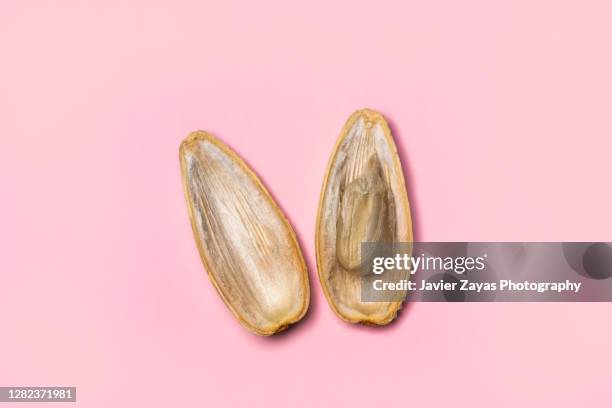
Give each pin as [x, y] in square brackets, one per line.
[501, 111]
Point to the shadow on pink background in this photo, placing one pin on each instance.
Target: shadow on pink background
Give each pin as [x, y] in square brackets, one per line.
[501, 111]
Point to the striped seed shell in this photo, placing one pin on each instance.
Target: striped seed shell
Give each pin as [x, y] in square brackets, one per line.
[246, 244]
[364, 199]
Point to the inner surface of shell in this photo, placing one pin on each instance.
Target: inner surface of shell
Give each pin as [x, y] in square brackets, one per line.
[249, 249]
[364, 199]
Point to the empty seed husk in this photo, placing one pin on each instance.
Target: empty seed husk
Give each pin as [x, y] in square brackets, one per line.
[364, 199]
[247, 245]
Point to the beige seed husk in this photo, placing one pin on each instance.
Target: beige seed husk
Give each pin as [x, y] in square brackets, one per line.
[363, 199]
[246, 244]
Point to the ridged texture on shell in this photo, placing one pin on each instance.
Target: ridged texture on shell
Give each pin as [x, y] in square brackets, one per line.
[364, 199]
[246, 244]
